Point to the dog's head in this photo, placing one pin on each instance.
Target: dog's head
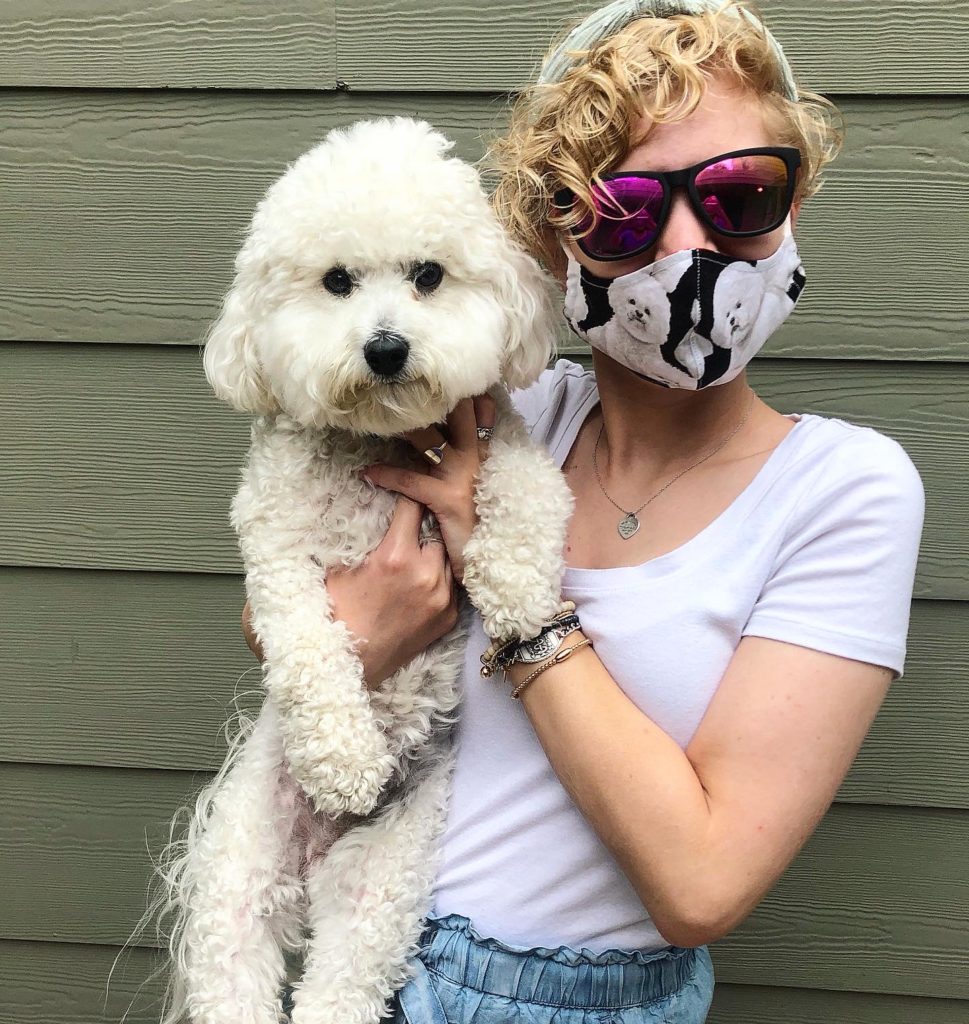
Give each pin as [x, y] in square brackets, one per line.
[376, 289]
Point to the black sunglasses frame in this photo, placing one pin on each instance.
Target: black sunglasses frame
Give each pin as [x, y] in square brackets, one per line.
[564, 199]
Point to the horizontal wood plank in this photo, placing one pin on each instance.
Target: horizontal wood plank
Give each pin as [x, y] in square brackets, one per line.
[847, 46]
[123, 212]
[69, 983]
[137, 469]
[878, 901]
[852, 46]
[104, 679]
[761, 1004]
[168, 44]
[122, 669]
[862, 906]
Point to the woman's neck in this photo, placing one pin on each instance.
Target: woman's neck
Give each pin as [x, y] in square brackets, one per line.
[647, 426]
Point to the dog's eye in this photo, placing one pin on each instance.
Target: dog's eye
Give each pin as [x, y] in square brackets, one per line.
[427, 276]
[337, 281]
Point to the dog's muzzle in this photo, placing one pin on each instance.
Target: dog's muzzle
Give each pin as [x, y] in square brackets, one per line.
[386, 353]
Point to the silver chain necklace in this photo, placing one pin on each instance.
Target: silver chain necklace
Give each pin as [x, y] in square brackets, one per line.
[629, 524]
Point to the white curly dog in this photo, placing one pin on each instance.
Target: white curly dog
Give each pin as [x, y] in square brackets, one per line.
[374, 291]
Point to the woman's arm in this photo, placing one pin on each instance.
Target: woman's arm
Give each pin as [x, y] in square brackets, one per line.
[703, 835]
[402, 597]
[396, 603]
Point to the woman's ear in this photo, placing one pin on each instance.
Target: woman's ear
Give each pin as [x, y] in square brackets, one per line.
[795, 211]
[231, 364]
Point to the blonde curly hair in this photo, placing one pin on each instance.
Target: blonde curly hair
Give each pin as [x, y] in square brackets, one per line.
[568, 132]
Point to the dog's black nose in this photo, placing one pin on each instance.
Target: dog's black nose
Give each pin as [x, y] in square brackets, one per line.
[386, 353]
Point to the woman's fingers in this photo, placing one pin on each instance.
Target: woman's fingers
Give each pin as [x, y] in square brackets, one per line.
[429, 442]
[462, 427]
[484, 417]
[405, 522]
[419, 487]
[446, 488]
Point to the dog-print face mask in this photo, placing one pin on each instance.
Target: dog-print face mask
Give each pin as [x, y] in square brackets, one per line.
[690, 320]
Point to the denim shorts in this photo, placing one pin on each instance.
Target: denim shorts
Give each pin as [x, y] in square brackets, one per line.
[462, 978]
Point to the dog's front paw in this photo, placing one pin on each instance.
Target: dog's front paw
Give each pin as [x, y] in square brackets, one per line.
[511, 603]
[337, 790]
[341, 762]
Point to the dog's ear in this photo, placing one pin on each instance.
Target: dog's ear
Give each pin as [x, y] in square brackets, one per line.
[231, 364]
[524, 292]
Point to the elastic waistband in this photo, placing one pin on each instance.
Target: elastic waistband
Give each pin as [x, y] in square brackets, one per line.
[563, 977]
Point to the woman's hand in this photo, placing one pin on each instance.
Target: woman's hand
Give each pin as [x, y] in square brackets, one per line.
[448, 489]
[399, 601]
[403, 597]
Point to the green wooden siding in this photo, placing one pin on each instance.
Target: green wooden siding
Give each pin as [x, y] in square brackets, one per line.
[158, 501]
[839, 46]
[870, 905]
[161, 44]
[134, 142]
[68, 982]
[123, 211]
[172, 679]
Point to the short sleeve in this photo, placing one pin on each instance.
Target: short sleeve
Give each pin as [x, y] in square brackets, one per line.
[843, 576]
[552, 404]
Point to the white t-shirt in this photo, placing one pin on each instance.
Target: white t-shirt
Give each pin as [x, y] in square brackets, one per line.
[819, 550]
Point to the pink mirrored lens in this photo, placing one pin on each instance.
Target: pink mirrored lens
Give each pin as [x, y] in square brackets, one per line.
[627, 216]
[747, 193]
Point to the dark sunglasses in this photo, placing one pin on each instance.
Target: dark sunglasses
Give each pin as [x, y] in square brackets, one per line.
[741, 194]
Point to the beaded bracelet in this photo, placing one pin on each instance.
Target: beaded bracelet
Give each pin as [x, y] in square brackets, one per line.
[556, 659]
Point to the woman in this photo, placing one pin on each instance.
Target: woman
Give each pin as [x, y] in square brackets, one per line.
[741, 578]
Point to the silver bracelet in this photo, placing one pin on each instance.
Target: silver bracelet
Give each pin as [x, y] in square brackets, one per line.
[529, 652]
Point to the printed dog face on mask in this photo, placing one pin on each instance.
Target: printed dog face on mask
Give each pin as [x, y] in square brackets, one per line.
[736, 302]
[746, 303]
[644, 307]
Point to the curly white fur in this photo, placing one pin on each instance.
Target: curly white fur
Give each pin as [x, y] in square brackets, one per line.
[318, 834]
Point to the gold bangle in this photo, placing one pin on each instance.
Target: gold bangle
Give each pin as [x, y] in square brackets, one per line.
[556, 659]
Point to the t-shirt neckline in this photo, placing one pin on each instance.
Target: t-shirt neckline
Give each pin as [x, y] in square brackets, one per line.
[575, 578]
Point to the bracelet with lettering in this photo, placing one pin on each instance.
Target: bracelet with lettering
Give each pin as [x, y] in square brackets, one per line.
[529, 652]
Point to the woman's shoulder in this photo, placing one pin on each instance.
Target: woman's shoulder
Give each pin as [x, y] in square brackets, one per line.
[549, 406]
[841, 476]
[562, 383]
[849, 505]
[837, 454]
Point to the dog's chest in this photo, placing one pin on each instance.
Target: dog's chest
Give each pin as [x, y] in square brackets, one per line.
[308, 489]
[352, 518]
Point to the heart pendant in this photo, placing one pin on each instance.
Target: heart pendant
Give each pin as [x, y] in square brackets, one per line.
[628, 526]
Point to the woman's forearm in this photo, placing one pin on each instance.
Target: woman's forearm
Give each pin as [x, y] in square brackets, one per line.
[639, 792]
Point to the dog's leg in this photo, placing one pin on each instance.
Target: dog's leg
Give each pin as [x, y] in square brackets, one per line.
[367, 900]
[515, 556]
[422, 696]
[235, 888]
[335, 747]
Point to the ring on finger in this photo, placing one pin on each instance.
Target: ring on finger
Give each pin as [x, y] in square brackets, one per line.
[435, 455]
[485, 433]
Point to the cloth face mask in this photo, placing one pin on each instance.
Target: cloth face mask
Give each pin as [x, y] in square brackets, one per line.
[690, 320]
